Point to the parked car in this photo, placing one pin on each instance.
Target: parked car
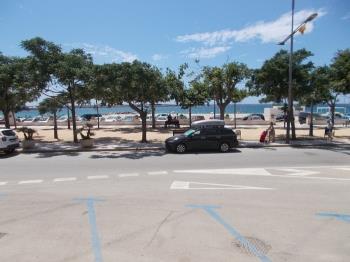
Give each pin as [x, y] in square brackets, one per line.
[8, 141]
[111, 118]
[204, 136]
[254, 117]
[88, 117]
[281, 117]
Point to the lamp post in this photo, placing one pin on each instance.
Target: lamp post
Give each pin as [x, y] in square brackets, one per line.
[290, 81]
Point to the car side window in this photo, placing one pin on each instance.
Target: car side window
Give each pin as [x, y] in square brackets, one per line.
[197, 133]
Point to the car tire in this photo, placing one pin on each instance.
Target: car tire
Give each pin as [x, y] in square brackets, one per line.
[224, 147]
[181, 148]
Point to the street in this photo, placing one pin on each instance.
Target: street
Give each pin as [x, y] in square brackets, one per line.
[266, 204]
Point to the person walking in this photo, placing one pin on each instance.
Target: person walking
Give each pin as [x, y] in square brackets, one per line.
[272, 134]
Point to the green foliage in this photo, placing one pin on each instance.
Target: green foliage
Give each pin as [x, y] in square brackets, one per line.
[272, 79]
[196, 95]
[341, 71]
[27, 132]
[50, 105]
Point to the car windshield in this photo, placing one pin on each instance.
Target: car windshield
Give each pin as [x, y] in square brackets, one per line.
[189, 132]
[8, 133]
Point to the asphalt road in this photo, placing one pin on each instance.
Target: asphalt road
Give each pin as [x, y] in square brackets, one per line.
[281, 204]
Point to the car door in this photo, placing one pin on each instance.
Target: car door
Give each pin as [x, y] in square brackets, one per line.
[197, 140]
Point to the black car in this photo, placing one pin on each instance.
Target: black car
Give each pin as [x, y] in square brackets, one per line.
[219, 138]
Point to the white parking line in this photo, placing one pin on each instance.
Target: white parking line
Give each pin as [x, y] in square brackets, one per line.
[129, 175]
[64, 179]
[30, 182]
[156, 173]
[97, 177]
[3, 183]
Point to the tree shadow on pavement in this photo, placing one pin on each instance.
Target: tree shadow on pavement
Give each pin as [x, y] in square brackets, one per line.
[54, 154]
[336, 149]
[5, 156]
[129, 155]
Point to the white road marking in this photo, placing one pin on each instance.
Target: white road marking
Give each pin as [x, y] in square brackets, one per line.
[258, 172]
[97, 177]
[233, 171]
[30, 182]
[156, 173]
[64, 179]
[298, 172]
[211, 186]
[3, 183]
[129, 175]
[344, 168]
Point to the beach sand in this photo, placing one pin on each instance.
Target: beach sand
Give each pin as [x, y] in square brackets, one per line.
[133, 133]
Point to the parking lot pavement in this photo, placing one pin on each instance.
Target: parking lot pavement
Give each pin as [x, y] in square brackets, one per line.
[283, 213]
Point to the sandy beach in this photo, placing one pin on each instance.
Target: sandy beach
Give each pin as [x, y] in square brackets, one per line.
[133, 133]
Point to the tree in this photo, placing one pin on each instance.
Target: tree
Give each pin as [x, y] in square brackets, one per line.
[73, 73]
[135, 85]
[196, 95]
[16, 87]
[316, 91]
[341, 71]
[222, 82]
[51, 105]
[271, 80]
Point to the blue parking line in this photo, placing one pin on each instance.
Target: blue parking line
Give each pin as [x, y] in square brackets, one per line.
[340, 217]
[95, 241]
[211, 211]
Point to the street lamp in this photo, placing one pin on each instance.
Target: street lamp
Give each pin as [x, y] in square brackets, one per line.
[290, 95]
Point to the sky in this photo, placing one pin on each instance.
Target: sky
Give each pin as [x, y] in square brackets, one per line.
[170, 33]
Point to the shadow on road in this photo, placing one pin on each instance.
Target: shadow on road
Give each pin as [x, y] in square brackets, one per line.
[5, 156]
[128, 155]
[54, 154]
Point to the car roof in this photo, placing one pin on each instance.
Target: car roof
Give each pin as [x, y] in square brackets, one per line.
[212, 122]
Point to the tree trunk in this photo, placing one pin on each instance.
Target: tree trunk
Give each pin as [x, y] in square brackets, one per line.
[153, 116]
[98, 118]
[143, 115]
[234, 114]
[68, 118]
[332, 113]
[222, 111]
[14, 119]
[144, 127]
[7, 118]
[311, 130]
[55, 134]
[72, 101]
[190, 115]
[294, 137]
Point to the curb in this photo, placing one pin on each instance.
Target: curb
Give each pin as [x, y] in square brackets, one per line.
[163, 148]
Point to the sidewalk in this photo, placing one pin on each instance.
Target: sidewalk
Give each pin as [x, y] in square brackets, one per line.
[47, 147]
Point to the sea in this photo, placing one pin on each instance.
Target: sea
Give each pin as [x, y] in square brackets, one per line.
[205, 109]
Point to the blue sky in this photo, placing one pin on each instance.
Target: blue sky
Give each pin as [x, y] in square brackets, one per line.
[169, 33]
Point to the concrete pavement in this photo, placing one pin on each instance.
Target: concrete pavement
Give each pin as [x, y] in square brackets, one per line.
[279, 204]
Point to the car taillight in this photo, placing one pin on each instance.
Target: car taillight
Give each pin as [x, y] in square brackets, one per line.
[3, 138]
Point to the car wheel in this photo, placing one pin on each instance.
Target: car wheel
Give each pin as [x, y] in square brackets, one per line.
[224, 147]
[180, 148]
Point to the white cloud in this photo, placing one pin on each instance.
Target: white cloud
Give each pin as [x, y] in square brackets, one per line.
[204, 52]
[105, 53]
[158, 57]
[346, 17]
[266, 32]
